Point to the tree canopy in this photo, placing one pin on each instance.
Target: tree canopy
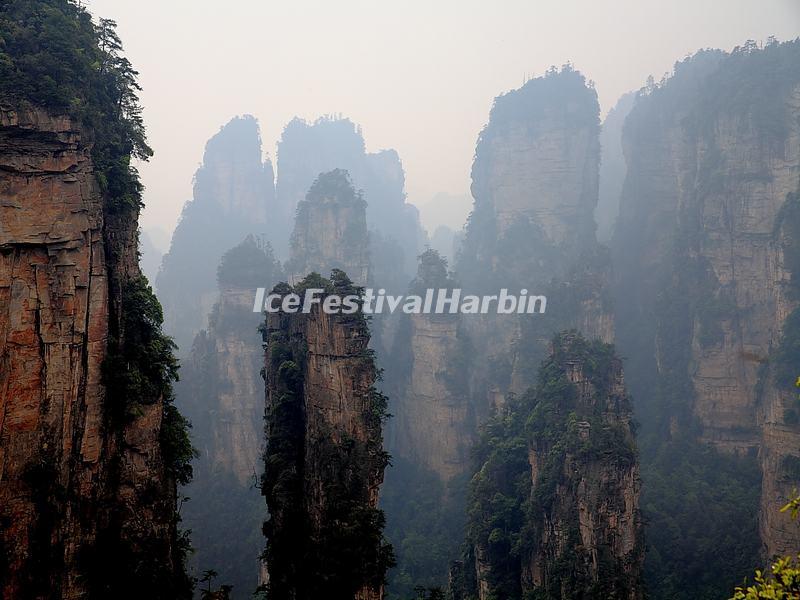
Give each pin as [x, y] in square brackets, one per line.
[52, 55]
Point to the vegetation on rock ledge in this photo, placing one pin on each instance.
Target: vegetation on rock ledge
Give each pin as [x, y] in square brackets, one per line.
[507, 508]
[52, 55]
[339, 551]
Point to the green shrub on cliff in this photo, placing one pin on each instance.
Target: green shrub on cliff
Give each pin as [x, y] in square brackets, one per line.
[341, 548]
[53, 55]
[507, 508]
[143, 369]
[249, 265]
[783, 583]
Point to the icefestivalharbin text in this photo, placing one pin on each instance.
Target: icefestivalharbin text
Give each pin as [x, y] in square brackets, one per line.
[434, 301]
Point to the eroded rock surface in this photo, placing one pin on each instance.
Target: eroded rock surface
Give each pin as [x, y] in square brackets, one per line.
[72, 483]
[324, 457]
[701, 253]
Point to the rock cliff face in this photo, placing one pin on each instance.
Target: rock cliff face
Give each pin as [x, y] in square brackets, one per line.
[222, 393]
[537, 159]
[430, 435]
[324, 457]
[597, 479]
[304, 151]
[330, 230]
[701, 253]
[554, 504]
[436, 428]
[434, 422]
[233, 190]
[535, 184]
[75, 483]
[308, 149]
[233, 347]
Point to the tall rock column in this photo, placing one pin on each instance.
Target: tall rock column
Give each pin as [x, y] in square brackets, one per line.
[307, 149]
[232, 192]
[434, 424]
[87, 486]
[222, 393]
[704, 252]
[324, 457]
[535, 184]
[330, 230]
[430, 435]
[554, 502]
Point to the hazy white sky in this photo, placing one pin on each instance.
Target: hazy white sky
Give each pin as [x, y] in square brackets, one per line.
[418, 75]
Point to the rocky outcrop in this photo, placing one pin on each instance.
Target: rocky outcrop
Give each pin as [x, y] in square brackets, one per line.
[555, 498]
[534, 181]
[330, 230]
[221, 391]
[535, 184]
[308, 149]
[324, 457]
[233, 191]
[592, 519]
[85, 497]
[434, 424]
[700, 250]
[537, 159]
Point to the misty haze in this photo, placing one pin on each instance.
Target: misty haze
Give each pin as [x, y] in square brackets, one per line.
[399, 301]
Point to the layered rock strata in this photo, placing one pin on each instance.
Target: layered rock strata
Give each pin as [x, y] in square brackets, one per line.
[76, 483]
[324, 456]
[330, 230]
[704, 250]
[554, 503]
